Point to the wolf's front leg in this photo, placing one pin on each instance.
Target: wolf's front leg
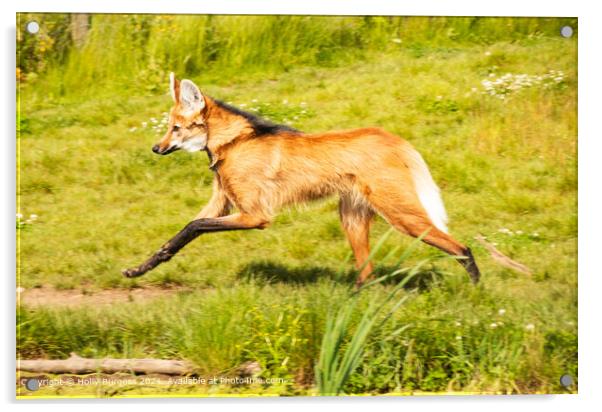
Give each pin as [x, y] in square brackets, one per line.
[190, 232]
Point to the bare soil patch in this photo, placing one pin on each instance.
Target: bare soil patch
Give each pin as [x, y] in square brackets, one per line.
[51, 297]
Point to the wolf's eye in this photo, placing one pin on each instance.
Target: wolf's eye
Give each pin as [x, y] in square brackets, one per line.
[175, 128]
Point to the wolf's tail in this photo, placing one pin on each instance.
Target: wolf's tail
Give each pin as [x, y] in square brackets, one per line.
[428, 191]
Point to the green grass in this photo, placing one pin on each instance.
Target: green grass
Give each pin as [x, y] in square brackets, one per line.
[340, 356]
[104, 202]
[139, 51]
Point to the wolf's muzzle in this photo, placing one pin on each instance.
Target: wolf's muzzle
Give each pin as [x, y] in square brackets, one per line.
[157, 150]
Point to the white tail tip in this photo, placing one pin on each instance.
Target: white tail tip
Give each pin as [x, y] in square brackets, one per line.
[428, 192]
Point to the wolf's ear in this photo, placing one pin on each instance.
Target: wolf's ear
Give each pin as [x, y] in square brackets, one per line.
[174, 87]
[191, 97]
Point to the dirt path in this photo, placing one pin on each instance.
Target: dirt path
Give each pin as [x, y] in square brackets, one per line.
[48, 296]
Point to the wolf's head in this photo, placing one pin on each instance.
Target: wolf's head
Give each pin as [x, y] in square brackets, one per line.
[187, 128]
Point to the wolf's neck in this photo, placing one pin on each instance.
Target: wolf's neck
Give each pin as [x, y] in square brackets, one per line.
[224, 128]
[228, 124]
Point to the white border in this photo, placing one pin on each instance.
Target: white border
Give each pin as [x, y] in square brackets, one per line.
[590, 137]
[352, 7]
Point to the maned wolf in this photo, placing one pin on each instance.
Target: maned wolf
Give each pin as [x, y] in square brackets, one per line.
[260, 166]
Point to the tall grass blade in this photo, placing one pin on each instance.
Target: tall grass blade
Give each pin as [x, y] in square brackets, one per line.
[339, 360]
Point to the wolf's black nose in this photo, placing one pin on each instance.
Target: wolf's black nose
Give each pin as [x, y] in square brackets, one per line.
[156, 148]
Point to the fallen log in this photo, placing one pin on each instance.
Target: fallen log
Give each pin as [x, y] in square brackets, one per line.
[502, 259]
[77, 365]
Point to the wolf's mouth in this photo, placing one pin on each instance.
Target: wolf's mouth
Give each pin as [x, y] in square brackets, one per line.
[157, 150]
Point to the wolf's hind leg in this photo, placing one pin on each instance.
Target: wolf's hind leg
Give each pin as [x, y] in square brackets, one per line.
[356, 216]
[190, 232]
[415, 222]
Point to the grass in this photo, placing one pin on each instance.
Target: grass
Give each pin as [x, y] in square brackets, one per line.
[507, 169]
[339, 356]
[121, 50]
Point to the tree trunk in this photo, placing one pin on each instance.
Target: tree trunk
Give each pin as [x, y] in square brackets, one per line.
[80, 25]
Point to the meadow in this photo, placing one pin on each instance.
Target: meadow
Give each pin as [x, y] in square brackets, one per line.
[490, 103]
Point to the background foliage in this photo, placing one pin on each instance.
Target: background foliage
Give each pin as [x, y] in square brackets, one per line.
[140, 50]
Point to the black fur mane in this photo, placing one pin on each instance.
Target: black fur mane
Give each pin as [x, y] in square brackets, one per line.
[261, 127]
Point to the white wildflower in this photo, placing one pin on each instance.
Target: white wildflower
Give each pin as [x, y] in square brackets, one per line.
[487, 53]
[509, 83]
[530, 326]
[144, 124]
[33, 216]
[501, 312]
[398, 41]
[458, 337]
[493, 325]
[133, 129]
[19, 216]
